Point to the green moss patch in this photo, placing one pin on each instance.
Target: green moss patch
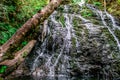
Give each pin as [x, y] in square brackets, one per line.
[117, 33]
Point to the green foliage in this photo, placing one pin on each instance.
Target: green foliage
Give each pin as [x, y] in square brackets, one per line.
[86, 13]
[11, 8]
[62, 20]
[24, 43]
[1, 78]
[97, 3]
[119, 1]
[117, 33]
[24, 54]
[13, 13]
[75, 1]
[6, 32]
[2, 68]
[30, 7]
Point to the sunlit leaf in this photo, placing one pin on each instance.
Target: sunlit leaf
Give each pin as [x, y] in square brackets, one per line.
[2, 68]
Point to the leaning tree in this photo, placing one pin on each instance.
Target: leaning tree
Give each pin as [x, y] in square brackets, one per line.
[28, 30]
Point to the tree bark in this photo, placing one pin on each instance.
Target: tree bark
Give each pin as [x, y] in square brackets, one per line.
[21, 33]
[19, 57]
[31, 24]
[16, 39]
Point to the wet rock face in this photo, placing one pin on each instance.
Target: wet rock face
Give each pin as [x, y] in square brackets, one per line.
[97, 45]
[75, 46]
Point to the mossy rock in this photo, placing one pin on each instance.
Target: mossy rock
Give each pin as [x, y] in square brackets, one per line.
[86, 13]
[117, 33]
[73, 42]
[109, 36]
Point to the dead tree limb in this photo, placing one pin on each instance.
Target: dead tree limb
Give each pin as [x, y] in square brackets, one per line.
[31, 24]
[17, 38]
[19, 57]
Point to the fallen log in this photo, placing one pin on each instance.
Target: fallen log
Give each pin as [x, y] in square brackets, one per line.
[19, 57]
[18, 37]
[31, 24]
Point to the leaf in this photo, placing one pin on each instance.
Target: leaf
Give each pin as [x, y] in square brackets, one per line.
[12, 30]
[24, 43]
[5, 35]
[97, 3]
[75, 1]
[2, 68]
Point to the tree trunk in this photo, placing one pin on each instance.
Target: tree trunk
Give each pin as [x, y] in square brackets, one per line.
[21, 33]
[19, 57]
[31, 24]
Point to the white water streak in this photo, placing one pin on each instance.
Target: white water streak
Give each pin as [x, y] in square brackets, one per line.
[35, 61]
[100, 13]
[48, 63]
[40, 53]
[82, 3]
[53, 18]
[68, 26]
[116, 39]
[52, 68]
[113, 20]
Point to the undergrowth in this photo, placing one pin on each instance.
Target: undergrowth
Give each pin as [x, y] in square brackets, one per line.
[14, 13]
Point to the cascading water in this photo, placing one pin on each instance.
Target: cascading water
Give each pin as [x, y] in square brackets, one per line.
[74, 47]
[57, 52]
[111, 27]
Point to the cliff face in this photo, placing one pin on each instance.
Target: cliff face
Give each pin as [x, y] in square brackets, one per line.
[80, 42]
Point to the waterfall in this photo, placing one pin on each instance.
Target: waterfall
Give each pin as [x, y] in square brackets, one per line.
[110, 28]
[82, 3]
[76, 46]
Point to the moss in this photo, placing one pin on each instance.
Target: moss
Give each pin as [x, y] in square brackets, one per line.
[8, 56]
[116, 67]
[117, 33]
[86, 32]
[74, 9]
[86, 13]
[94, 21]
[79, 28]
[114, 55]
[60, 9]
[1, 78]
[19, 45]
[24, 55]
[78, 33]
[62, 20]
[14, 48]
[109, 37]
[73, 42]
[76, 22]
[72, 64]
